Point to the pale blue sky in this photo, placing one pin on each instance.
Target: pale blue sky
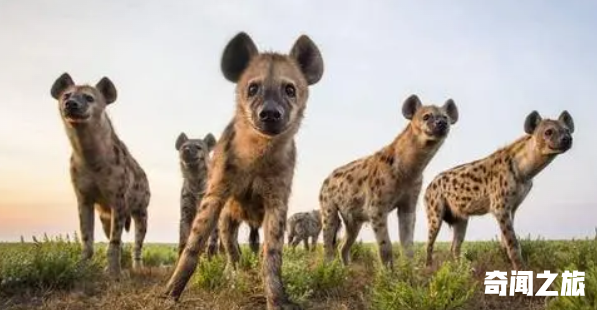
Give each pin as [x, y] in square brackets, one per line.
[497, 60]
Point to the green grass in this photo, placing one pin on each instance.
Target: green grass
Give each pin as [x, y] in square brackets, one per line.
[51, 267]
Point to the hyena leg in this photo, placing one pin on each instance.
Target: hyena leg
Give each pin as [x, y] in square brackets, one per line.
[106, 219]
[503, 244]
[330, 223]
[435, 209]
[382, 236]
[352, 231]
[119, 218]
[188, 209]
[212, 247]
[506, 226]
[254, 239]
[306, 243]
[140, 218]
[228, 228]
[407, 215]
[203, 225]
[274, 226]
[314, 241]
[87, 225]
[459, 231]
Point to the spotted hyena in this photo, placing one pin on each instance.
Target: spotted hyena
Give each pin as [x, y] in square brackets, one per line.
[496, 184]
[302, 226]
[254, 159]
[368, 189]
[103, 172]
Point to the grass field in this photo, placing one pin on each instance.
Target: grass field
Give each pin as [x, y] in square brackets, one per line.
[47, 274]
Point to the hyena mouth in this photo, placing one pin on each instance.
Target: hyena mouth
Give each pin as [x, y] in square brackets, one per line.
[73, 117]
[270, 128]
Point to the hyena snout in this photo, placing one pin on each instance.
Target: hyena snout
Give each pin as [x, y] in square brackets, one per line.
[440, 126]
[191, 153]
[271, 117]
[76, 108]
[565, 142]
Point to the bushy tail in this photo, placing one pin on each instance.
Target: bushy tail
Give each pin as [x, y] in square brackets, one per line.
[331, 224]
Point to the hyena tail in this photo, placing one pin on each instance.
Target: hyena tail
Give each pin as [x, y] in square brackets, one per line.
[331, 223]
[127, 224]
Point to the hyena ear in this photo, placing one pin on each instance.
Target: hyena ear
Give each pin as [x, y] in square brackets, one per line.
[182, 138]
[210, 140]
[309, 59]
[108, 90]
[566, 119]
[451, 110]
[237, 55]
[62, 82]
[410, 106]
[531, 122]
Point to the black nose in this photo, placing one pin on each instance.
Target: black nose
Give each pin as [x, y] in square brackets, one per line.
[71, 105]
[441, 124]
[270, 113]
[566, 140]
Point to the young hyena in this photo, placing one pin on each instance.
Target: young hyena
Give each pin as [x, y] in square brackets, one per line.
[194, 164]
[498, 183]
[254, 159]
[368, 189]
[103, 172]
[302, 226]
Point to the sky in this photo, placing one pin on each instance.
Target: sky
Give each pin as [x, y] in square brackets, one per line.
[498, 60]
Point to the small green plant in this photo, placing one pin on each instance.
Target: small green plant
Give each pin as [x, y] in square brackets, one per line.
[211, 273]
[587, 302]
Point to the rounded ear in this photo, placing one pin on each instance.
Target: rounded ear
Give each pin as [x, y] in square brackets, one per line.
[451, 110]
[410, 106]
[182, 138]
[566, 119]
[309, 59]
[62, 82]
[107, 89]
[531, 122]
[237, 55]
[210, 140]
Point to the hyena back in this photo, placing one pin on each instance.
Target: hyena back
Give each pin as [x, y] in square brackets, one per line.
[496, 184]
[104, 174]
[368, 189]
[254, 159]
[302, 226]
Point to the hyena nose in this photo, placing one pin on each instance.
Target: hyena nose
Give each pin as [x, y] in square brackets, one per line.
[441, 124]
[566, 140]
[71, 105]
[270, 113]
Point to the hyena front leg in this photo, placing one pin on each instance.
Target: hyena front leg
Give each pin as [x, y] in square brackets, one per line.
[407, 215]
[119, 217]
[274, 226]
[508, 235]
[382, 236]
[106, 219]
[188, 209]
[228, 228]
[459, 231]
[204, 223]
[86, 224]
[212, 246]
[140, 218]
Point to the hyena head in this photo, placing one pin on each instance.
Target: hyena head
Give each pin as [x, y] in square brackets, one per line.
[430, 121]
[80, 104]
[272, 89]
[551, 137]
[194, 153]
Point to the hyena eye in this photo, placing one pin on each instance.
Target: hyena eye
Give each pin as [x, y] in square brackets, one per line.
[549, 132]
[290, 91]
[88, 98]
[253, 89]
[426, 117]
[65, 96]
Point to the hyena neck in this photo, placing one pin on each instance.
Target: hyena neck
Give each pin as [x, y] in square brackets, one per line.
[252, 146]
[411, 152]
[92, 142]
[527, 159]
[194, 176]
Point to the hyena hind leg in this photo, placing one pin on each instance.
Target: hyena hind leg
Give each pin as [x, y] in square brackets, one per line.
[140, 219]
[435, 210]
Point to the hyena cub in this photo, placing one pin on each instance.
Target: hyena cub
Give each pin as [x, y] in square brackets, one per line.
[194, 164]
[498, 184]
[103, 172]
[368, 189]
[302, 226]
[254, 159]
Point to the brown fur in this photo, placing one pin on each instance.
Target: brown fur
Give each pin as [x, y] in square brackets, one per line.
[496, 184]
[253, 163]
[368, 189]
[103, 172]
